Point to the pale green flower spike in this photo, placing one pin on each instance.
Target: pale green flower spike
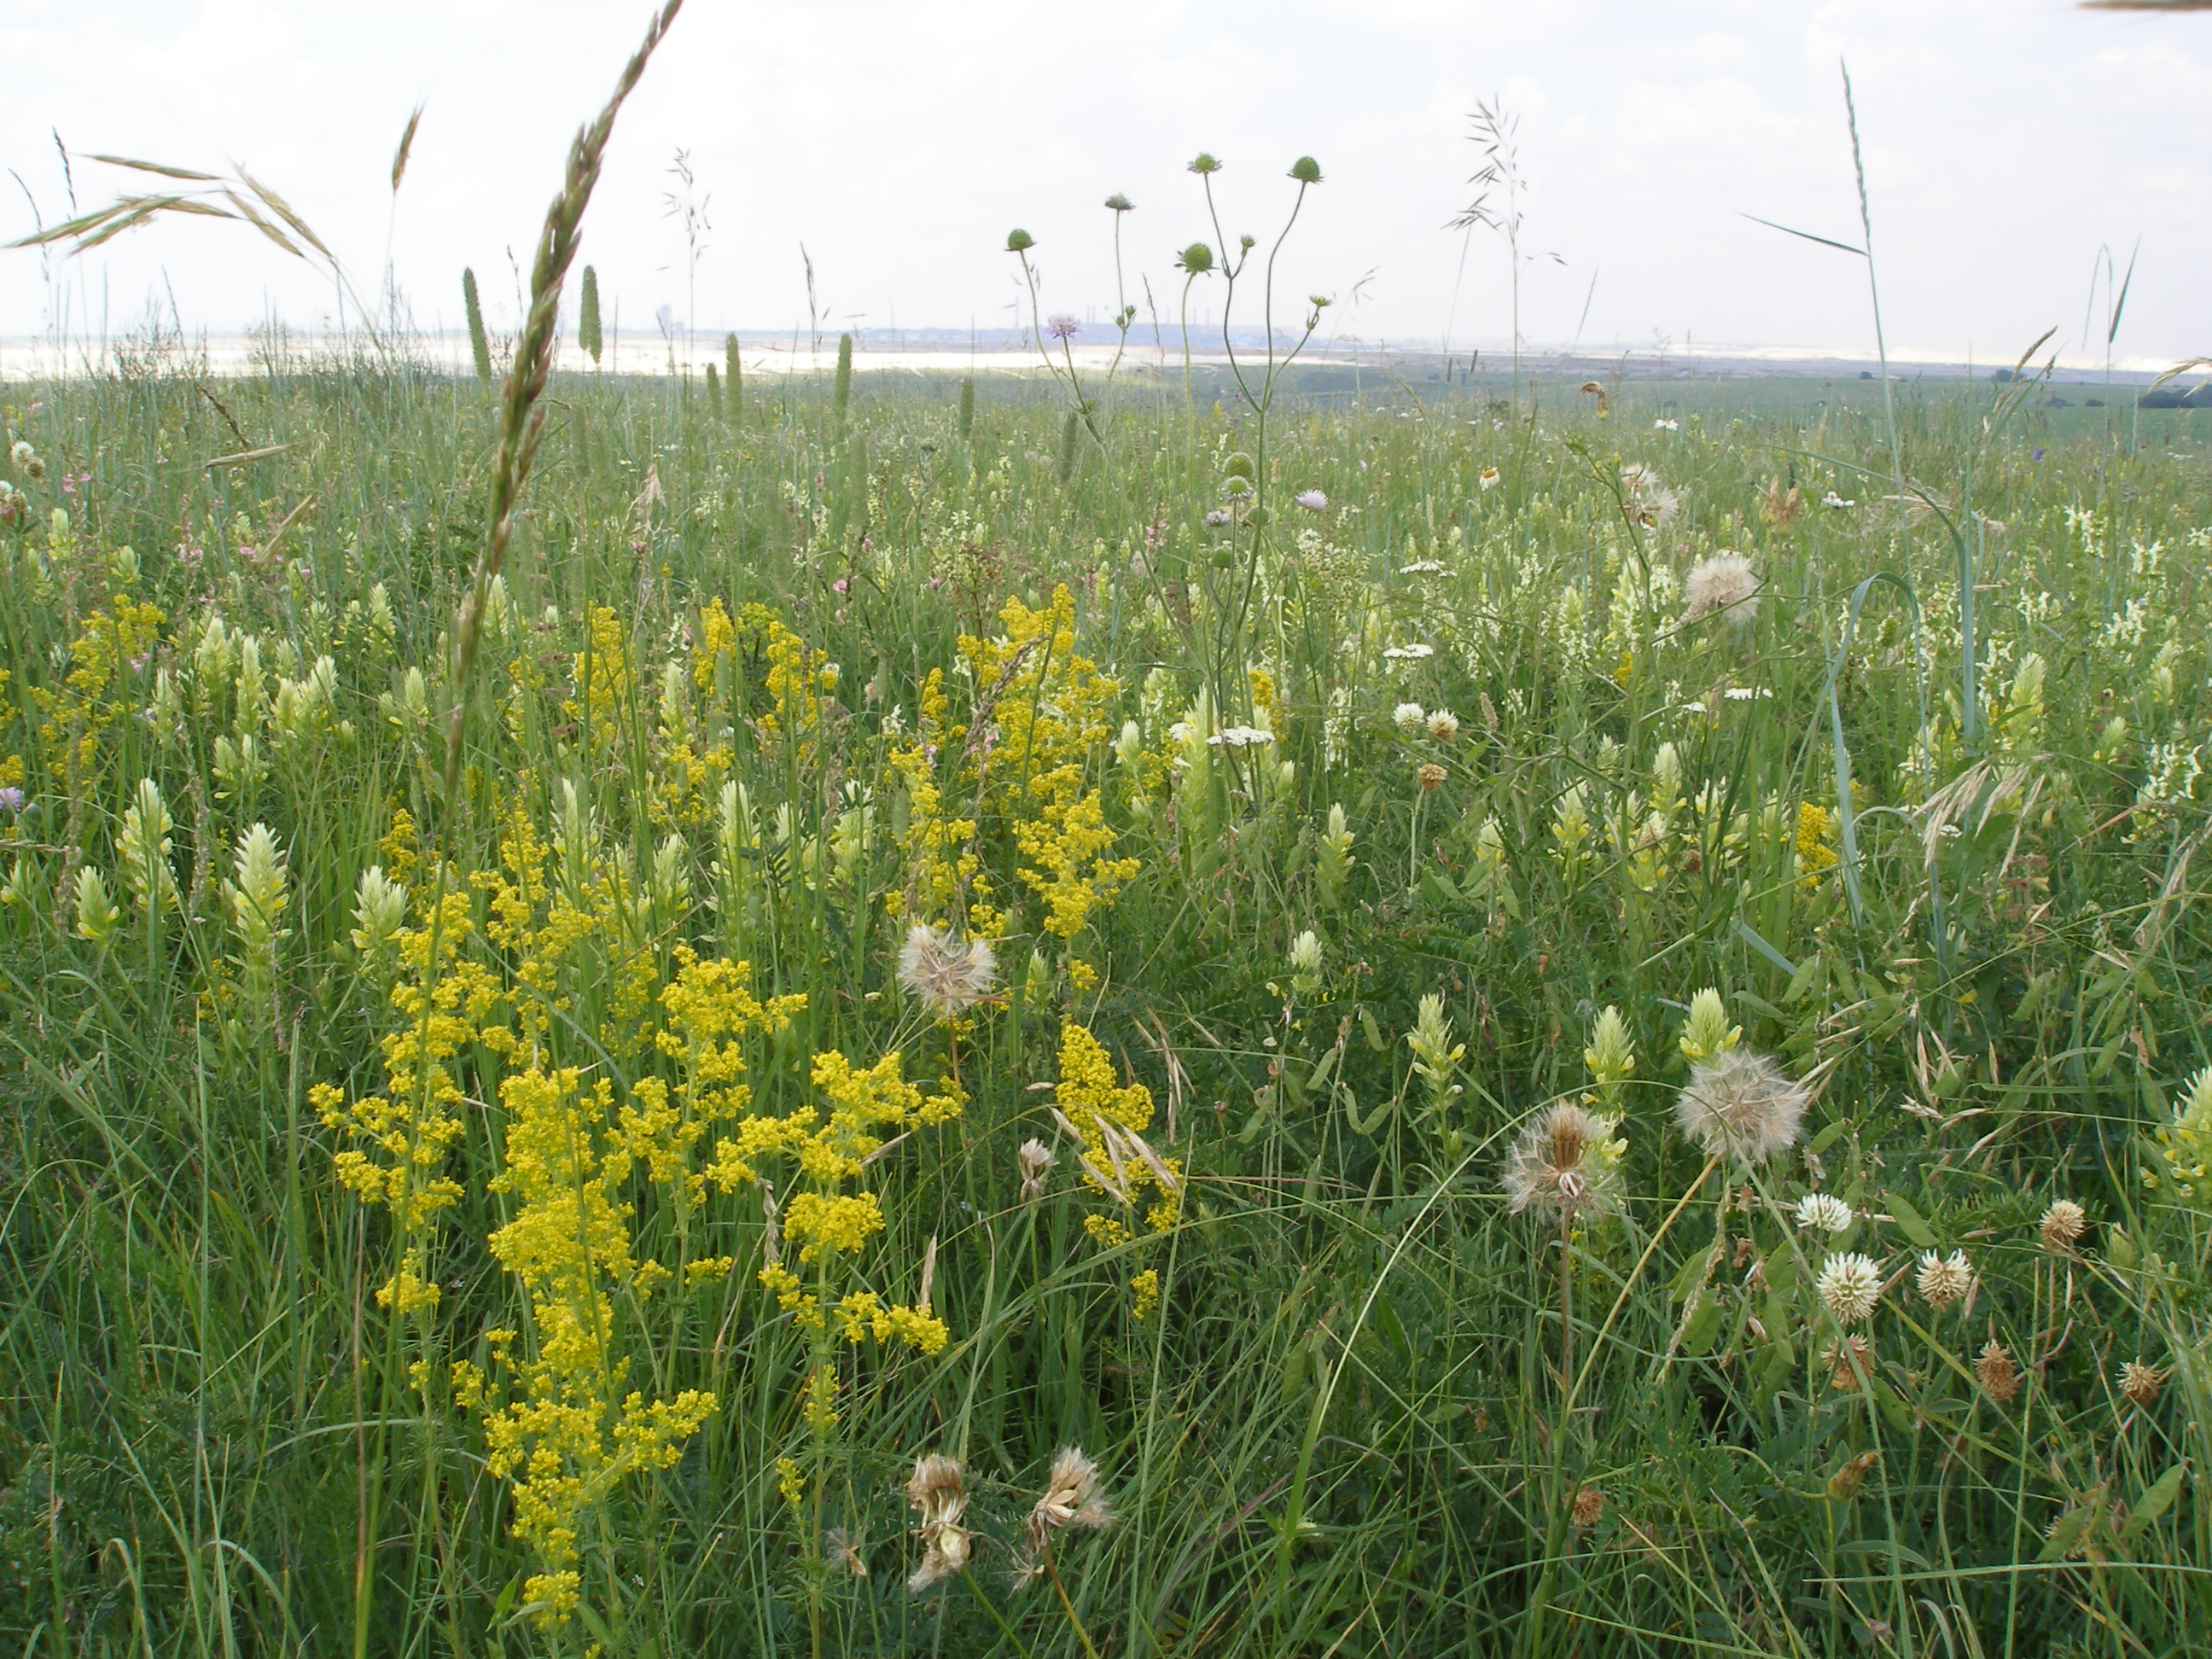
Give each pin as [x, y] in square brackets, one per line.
[1707, 1032]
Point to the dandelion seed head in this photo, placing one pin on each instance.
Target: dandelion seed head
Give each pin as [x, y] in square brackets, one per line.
[1740, 1104]
[1724, 585]
[1564, 1163]
[947, 975]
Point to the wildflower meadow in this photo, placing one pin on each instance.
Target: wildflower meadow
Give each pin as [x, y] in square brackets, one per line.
[1225, 1006]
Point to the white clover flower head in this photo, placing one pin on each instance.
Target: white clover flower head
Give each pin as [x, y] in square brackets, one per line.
[1410, 716]
[1740, 1104]
[1823, 1213]
[1413, 652]
[23, 454]
[1944, 1280]
[1849, 1287]
[947, 975]
[1312, 499]
[1724, 585]
[1444, 725]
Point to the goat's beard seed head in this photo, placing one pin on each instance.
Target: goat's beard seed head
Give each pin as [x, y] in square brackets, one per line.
[1724, 585]
[1563, 1164]
[1740, 1104]
[947, 975]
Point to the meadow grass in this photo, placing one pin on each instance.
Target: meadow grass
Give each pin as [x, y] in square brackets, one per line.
[503, 1272]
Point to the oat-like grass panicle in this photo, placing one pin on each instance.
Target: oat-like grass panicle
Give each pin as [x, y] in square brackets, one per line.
[522, 422]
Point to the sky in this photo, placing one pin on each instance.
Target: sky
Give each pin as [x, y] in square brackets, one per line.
[2006, 142]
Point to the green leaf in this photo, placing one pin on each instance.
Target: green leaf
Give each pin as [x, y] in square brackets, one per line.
[1688, 1277]
[2155, 1502]
[1910, 1223]
[1703, 1326]
[1829, 1136]
[2063, 1536]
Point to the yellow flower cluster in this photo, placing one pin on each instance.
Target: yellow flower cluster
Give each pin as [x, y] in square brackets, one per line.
[402, 1137]
[557, 1432]
[1109, 1119]
[74, 715]
[1024, 760]
[1815, 857]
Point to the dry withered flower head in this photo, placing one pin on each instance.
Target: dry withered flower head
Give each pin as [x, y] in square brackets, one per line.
[2000, 1378]
[1588, 1507]
[2062, 1225]
[1071, 1500]
[1034, 1158]
[2141, 1383]
[1850, 1363]
[938, 1491]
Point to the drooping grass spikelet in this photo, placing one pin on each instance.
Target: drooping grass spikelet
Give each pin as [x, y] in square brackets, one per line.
[522, 422]
[479, 342]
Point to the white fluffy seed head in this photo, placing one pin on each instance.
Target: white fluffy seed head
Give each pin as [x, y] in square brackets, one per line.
[1740, 1104]
[947, 975]
[1724, 585]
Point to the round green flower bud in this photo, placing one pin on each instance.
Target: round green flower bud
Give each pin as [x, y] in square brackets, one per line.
[1197, 259]
[1238, 465]
[1206, 162]
[1256, 518]
[1120, 202]
[1306, 170]
[1019, 241]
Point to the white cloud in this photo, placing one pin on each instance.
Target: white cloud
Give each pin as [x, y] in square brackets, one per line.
[900, 139]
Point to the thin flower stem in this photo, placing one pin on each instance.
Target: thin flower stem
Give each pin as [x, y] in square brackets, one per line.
[997, 1618]
[1597, 1346]
[1058, 1590]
